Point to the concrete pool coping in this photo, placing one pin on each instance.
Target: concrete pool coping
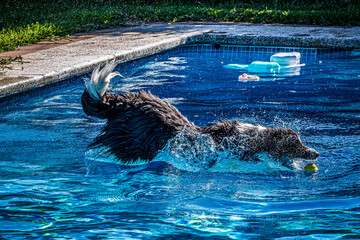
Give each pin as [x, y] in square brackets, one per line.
[53, 64]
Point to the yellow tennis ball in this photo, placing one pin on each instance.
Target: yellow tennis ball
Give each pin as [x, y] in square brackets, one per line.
[311, 167]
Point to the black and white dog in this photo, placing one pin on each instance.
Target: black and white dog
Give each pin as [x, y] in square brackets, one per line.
[140, 124]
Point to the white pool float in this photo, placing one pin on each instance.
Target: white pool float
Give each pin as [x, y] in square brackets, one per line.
[289, 62]
[287, 59]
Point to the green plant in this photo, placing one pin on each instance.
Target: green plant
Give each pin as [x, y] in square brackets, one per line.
[12, 38]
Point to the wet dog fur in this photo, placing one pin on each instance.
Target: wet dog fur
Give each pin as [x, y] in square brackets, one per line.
[140, 124]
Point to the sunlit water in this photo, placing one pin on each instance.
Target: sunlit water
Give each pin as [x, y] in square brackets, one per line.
[48, 189]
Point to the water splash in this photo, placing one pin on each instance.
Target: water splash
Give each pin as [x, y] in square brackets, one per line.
[190, 151]
[194, 152]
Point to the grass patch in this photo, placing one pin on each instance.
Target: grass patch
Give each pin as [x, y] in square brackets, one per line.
[10, 38]
[27, 21]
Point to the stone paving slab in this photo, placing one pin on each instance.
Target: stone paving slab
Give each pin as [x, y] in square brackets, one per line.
[56, 63]
[51, 44]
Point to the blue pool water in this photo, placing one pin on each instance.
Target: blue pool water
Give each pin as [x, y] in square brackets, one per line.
[49, 190]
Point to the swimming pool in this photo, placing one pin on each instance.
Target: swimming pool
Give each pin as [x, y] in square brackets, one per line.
[49, 190]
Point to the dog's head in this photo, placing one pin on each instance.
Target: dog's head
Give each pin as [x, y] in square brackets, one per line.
[248, 140]
[285, 145]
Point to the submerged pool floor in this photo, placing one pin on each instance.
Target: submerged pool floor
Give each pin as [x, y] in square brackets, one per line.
[49, 190]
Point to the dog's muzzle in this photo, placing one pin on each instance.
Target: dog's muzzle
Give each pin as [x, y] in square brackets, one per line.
[308, 154]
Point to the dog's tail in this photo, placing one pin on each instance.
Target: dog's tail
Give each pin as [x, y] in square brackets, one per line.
[100, 79]
[93, 99]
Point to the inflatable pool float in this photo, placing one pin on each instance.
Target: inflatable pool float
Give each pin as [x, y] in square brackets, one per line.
[287, 59]
[245, 77]
[286, 63]
[264, 67]
[289, 62]
[237, 66]
[257, 66]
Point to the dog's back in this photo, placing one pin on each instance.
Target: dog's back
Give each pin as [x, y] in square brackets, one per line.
[138, 124]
